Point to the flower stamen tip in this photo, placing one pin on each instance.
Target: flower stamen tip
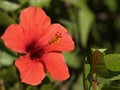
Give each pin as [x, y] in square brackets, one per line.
[56, 38]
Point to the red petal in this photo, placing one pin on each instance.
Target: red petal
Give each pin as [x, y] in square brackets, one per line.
[15, 39]
[34, 20]
[31, 71]
[65, 43]
[54, 63]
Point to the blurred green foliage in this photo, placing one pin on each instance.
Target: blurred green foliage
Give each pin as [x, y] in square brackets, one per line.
[92, 24]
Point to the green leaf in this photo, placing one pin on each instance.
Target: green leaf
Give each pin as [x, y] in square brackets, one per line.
[85, 19]
[112, 62]
[8, 6]
[40, 3]
[72, 60]
[87, 69]
[115, 78]
[6, 59]
[103, 81]
[78, 85]
[5, 20]
[9, 75]
[6, 56]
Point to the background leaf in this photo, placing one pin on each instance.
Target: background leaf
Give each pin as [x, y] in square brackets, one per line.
[111, 4]
[8, 6]
[6, 56]
[72, 60]
[40, 3]
[85, 19]
[5, 20]
[78, 84]
[23, 1]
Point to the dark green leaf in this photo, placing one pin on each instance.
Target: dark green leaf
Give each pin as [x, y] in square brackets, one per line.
[110, 88]
[5, 20]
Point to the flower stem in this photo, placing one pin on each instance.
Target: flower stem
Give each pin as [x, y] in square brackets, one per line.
[2, 87]
[94, 81]
[94, 85]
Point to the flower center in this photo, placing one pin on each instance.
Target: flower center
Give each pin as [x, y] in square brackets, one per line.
[34, 50]
[36, 54]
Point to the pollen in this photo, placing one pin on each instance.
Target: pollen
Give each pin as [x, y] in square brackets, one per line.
[56, 38]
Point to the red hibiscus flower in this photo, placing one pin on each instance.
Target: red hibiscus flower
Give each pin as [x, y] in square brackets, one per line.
[41, 45]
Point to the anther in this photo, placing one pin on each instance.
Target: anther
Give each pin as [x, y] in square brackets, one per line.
[56, 38]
